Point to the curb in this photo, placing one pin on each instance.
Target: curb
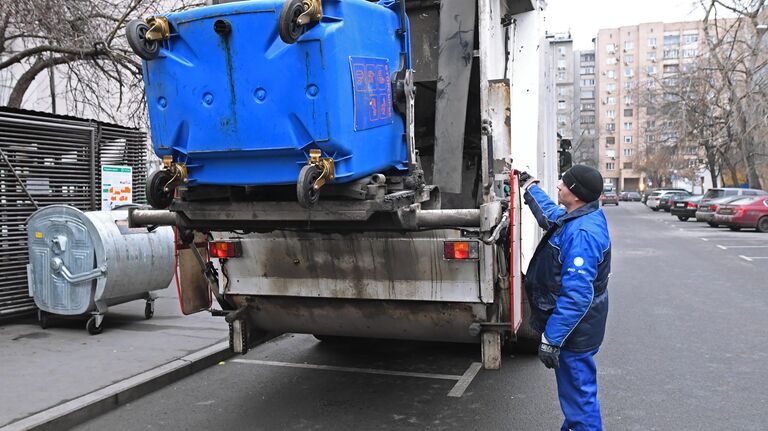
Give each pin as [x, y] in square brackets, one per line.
[86, 407]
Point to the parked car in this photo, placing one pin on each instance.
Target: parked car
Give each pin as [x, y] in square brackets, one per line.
[609, 198]
[654, 198]
[685, 208]
[666, 201]
[633, 196]
[719, 196]
[745, 212]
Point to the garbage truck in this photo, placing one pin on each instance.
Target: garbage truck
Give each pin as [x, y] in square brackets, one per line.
[348, 168]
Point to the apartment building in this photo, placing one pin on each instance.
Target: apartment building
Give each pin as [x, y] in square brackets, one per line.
[584, 142]
[561, 46]
[632, 60]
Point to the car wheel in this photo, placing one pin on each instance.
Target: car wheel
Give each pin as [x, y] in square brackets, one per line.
[655, 209]
[762, 224]
[713, 224]
[682, 218]
[734, 228]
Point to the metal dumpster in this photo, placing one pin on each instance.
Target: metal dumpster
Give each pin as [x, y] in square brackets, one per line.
[84, 262]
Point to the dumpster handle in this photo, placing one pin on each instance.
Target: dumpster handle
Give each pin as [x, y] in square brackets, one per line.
[58, 266]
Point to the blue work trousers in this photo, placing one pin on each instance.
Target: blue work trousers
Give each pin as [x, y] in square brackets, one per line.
[577, 389]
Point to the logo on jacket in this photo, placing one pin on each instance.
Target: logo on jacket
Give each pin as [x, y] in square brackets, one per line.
[578, 261]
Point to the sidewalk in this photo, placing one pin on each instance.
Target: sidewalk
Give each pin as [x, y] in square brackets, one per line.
[87, 374]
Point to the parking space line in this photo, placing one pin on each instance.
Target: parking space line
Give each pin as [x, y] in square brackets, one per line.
[466, 379]
[725, 247]
[751, 258]
[349, 369]
[748, 259]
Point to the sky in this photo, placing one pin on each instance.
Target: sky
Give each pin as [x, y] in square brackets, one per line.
[585, 17]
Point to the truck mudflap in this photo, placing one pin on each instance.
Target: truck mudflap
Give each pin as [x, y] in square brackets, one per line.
[191, 282]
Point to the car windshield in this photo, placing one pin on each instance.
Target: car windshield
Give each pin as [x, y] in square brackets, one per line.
[714, 194]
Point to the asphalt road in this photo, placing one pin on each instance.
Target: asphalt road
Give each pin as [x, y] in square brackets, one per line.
[686, 349]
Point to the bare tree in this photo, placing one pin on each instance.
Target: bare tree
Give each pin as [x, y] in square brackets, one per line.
[85, 38]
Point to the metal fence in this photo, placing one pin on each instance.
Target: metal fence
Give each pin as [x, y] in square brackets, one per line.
[51, 159]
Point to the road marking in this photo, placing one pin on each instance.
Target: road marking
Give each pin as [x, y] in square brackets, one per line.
[725, 247]
[704, 239]
[748, 259]
[751, 258]
[466, 379]
[458, 389]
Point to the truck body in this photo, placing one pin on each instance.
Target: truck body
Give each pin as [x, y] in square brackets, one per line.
[440, 262]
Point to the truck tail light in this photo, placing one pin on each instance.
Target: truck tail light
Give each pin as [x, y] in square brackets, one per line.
[461, 250]
[225, 249]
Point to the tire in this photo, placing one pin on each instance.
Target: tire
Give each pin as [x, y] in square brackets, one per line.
[683, 218]
[149, 310]
[287, 27]
[762, 224]
[42, 319]
[655, 209]
[136, 32]
[91, 327]
[305, 190]
[713, 224]
[156, 196]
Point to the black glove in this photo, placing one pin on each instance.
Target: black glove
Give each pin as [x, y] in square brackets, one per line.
[549, 355]
[526, 180]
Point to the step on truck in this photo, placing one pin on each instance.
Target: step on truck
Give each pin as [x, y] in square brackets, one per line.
[347, 168]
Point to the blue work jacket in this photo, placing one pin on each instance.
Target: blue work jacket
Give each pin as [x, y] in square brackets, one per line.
[567, 277]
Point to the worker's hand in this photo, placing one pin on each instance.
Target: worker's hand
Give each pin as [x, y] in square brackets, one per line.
[526, 180]
[549, 355]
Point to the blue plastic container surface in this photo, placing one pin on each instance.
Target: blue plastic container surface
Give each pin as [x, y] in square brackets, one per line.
[245, 109]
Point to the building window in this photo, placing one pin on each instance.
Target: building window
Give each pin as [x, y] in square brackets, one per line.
[611, 74]
[651, 110]
[690, 38]
[587, 82]
[628, 99]
[610, 140]
[629, 59]
[629, 45]
[651, 69]
[650, 125]
[610, 127]
[561, 76]
[562, 119]
[560, 64]
[610, 48]
[610, 88]
[587, 94]
[610, 113]
[587, 70]
[671, 68]
[561, 91]
[651, 55]
[671, 53]
[587, 106]
[561, 104]
[650, 84]
[628, 152]
[561, 50]
[628, 125]
[610, 61]
[610, 166]
[627, 85]
[690, 53]
[651, 42]
[627, 139]
[587, 58]
[628, 112]
[671, 39]
[610, 100]
[628, 71]
[587, 119]
[650, 138]
[627, 165]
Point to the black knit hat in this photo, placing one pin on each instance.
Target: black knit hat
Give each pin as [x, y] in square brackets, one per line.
[584, 182]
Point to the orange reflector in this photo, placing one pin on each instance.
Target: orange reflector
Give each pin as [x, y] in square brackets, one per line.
[461, 250]
[225, 249]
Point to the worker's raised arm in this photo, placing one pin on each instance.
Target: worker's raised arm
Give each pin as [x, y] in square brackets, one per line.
[543, 208]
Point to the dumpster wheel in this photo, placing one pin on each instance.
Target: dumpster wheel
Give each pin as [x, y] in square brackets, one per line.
[306, 192]
[156, 194]
[136, 33]
[93, 327]
[288, 26]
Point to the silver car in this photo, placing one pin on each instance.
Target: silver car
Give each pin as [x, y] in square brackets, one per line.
[654, 198]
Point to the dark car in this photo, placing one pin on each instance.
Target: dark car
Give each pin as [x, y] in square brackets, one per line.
[685, 208]
[717, 196]
[633, 196]
[609, 198]
[745, 212]
[666, 201]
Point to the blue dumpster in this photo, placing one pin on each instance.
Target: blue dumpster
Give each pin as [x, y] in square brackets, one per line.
[237, 105]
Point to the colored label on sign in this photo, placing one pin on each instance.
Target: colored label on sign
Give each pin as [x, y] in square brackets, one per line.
[373, 93]
[116, 186]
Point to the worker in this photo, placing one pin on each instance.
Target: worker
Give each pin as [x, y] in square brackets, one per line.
[566, 286]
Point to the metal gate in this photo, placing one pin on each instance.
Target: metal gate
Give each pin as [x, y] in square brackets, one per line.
[51, 159]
